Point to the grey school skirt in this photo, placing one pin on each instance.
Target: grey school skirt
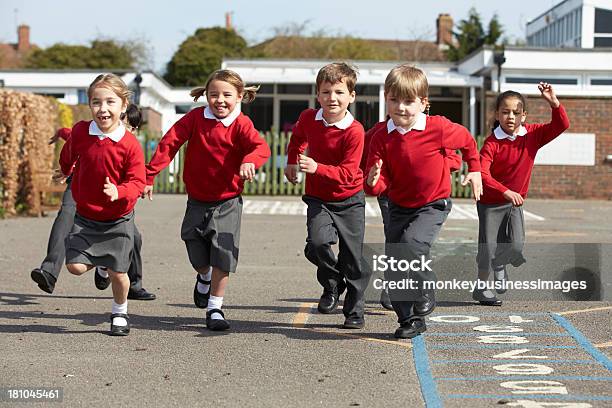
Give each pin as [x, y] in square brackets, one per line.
[211, 231]
[101, 243]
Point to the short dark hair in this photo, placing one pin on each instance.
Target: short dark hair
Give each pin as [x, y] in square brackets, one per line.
[336, 72]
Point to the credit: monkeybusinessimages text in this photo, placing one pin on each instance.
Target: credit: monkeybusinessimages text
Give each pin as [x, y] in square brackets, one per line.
[384, 263]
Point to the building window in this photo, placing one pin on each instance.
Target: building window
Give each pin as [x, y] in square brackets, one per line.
[52, 95]
[82, 97]
[603, 21]
[265, 88]
[601, 82]
[554, 81]
[602, 42]
[366, 112]
[371, 90]
[300, 89]
[260, 111]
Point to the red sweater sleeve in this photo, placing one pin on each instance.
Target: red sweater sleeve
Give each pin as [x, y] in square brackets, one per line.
[68, 156]
[455, 137]
[376, 152]
[348, 168]
[172, 141]
[255, 147]
[298, 142]
[487, 154]
[453, 160]
[64, 133]
[134, 174]
[559, 123]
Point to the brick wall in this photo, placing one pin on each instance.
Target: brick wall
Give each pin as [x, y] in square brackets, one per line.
[586, 115]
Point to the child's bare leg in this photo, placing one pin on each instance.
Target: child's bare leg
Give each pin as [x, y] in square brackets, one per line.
[120, 284]
[78, 268]
[219, 282]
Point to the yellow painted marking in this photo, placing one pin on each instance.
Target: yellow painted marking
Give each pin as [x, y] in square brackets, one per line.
[357, 337]
[603, 345]
[302, 315]
[300, 319]
[594, 309]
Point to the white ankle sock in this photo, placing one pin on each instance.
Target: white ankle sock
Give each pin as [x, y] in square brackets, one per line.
[215, 302]
[117, 308]
[203, 288]
[101, 270]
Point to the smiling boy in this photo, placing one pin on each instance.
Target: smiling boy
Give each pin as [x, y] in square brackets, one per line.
[334, 191]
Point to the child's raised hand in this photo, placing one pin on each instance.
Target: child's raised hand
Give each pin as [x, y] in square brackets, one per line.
[58, 176]
[110, 190]
[247, 171]
[374, 173]
[307, 164]
[548, 93]
[291, 173]
[515, 198]
[475, 179]
[147, 192]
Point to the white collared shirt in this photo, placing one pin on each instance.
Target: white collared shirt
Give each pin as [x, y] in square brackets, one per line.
[500, 134]
[344, 123]
[116, 135]
[226, 121]
[419, 124]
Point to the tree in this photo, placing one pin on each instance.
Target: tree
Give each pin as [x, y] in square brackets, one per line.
[471, 35]
[101, 54]
[200, 54]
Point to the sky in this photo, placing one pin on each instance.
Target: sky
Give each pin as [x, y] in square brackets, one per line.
[163, 25]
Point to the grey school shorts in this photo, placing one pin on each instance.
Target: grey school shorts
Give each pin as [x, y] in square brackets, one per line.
[101, 243]
[211, 231]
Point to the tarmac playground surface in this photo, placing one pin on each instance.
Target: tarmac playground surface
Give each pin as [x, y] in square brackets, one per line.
[280, 351]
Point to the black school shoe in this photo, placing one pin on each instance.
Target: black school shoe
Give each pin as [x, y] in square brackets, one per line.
[44, 279]
[141, 294]
[354, 323]
[410, 329]
[330, 298]
[385, 300]
[426, 306]
[120, 330]
[101, 283]
[216, 324]
[201, 299]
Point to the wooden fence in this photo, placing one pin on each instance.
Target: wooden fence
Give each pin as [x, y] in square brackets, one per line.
[270, 179]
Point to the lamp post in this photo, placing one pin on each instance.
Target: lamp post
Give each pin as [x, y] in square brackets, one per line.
[137, 81]
[499, 59]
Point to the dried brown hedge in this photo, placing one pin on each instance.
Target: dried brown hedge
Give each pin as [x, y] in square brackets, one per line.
[27, 122]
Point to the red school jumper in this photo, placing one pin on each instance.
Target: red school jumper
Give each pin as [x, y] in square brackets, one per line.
[213, 156]
[414, 170]
[337, 153]
[94, 160]
[507, 165]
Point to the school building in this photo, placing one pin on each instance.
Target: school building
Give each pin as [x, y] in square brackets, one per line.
[576, 165]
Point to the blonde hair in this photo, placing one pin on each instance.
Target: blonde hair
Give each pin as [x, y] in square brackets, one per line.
[112, 82]
[248, 92]
[407, 82]
[133, 114]
[336, 72]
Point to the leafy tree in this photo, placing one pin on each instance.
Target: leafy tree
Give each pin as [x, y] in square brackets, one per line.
[201, 53]
[101, 54]
[471, 35]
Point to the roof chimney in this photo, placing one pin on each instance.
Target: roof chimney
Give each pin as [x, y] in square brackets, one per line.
[444, 25]
[23, 38]
[228, 21]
